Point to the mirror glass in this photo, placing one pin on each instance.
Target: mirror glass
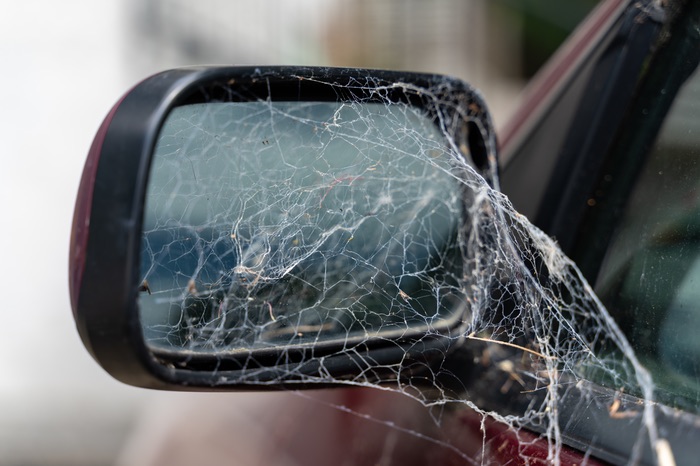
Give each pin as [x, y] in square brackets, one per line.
[273, 224]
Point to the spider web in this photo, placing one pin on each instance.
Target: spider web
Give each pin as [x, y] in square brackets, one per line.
[323, 228]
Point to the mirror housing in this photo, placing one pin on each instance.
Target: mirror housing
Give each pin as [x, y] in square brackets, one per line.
[282, 194]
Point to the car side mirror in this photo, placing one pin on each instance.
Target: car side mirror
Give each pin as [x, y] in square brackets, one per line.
[250, 227]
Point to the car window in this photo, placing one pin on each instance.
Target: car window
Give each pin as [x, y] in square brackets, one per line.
[650, 277]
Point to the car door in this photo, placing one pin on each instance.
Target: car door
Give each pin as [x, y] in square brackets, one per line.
[607, 165]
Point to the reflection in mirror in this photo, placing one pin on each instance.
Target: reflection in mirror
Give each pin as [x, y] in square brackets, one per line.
[271, 224]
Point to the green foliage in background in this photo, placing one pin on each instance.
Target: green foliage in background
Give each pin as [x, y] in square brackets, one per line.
[545, 25]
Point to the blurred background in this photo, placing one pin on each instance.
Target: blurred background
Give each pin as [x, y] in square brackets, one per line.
[66, 63]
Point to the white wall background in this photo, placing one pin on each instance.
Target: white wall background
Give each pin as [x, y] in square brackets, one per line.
[61, 71]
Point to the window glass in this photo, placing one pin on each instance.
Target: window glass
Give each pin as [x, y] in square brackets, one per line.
[650, 278]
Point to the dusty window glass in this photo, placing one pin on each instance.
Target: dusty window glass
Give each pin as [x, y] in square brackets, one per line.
[650, 279]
